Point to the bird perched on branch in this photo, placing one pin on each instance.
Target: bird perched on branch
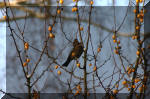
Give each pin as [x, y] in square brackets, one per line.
[75, 53]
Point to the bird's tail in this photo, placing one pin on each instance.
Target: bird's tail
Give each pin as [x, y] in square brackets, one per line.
[67, 62]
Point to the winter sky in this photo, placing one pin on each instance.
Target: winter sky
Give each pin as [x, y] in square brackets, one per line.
[3, 39]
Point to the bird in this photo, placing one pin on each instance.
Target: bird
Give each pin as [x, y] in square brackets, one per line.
[75, 53]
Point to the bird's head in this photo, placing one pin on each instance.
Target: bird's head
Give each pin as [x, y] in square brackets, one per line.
[75, 42]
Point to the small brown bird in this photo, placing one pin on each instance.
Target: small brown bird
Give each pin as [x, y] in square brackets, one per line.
[75, 53]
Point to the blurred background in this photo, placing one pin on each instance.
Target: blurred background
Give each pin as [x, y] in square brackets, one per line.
[106, 19]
